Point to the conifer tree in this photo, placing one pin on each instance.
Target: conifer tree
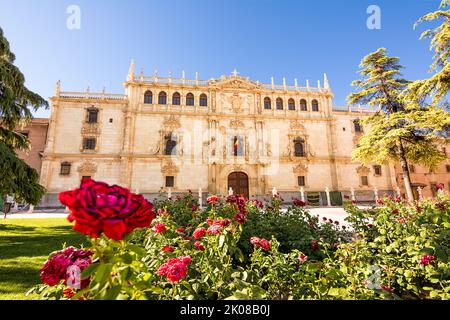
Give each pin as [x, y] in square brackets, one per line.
[16, 177]
[437, 87]
[396, 131]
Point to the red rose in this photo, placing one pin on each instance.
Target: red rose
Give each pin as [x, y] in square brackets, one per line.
[198, 233]
[175, 269]
[314, 245]
[440, 186]
[99, 208]
[214, 229]
[167, 248]
[159, 228]
[426, 259]
[302, 257]
[262, 243]
[217, 225]
[240, 203]
[55, 269]
[386, 288]
[212, 199]
[299, 203]
[240, 218]
[180, 230]
[199, 246]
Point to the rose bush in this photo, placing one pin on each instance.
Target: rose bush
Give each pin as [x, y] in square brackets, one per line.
[239, 249]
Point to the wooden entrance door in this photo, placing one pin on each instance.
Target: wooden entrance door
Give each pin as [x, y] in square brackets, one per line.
[238, 181]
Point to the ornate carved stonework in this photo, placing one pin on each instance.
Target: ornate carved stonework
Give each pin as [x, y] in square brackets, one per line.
[171, 123]
[234, 82]
[90, 129]
[236, 102]
[363, 170]
[298, 126]
[300, 169]
[88, 168]
[237, 124]
[169, 169]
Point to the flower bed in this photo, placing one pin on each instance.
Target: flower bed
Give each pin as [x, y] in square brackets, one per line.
[239, 249]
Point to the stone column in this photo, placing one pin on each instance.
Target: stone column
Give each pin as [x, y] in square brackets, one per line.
[169, 193]
[375, 193]
[200, 199]
[419, 191]
[399, 194]
[327, 191]
[302, 194]
[352, 191]
[274, 192]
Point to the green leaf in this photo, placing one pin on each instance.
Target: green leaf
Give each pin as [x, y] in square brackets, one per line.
[89, 270]
[112, 293]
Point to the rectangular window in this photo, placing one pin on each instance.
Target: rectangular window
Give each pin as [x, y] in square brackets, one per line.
[377, 170]
[301, 181]
[65, 169]
[364, 181]
[170, 181]
[92, 115]
[89, 144]
[447, 167]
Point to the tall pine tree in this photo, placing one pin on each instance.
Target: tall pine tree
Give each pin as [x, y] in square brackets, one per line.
[16, 177]
[437, 87]
[397, 131]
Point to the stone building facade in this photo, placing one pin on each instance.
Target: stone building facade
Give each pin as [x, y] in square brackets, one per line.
[228, 132]
[36, 131]
[423, 180]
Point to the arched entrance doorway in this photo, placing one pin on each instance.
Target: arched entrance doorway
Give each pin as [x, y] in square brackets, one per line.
[238, 181]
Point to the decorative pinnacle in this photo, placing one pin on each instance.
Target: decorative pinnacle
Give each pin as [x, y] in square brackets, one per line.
[235, 73]
[130, 76]
[326, 83]
[58, 88]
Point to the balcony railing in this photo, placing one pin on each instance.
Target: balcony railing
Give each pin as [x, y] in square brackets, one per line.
[92, 95]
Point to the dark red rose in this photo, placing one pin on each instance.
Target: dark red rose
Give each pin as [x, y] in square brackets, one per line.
[314, 245]
[199, 246]
[240, 218]
[440, 186]
[299, 203]
[99, 208]
[55, 269]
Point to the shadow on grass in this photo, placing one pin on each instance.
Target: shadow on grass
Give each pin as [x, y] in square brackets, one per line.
[40, 243]
[15, 228]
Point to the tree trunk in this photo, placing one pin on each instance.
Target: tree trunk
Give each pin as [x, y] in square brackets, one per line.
[405, 172]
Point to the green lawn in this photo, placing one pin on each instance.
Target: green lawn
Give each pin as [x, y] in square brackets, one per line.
[24, 246]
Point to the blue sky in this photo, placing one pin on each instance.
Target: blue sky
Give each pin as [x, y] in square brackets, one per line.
[261, 38]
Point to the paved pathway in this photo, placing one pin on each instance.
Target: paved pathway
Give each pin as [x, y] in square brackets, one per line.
[335, 213]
